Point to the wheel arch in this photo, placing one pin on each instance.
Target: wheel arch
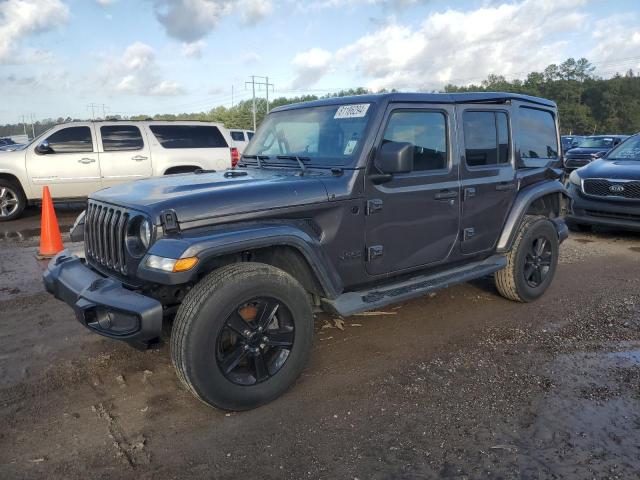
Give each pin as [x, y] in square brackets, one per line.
[284, 246]
[12, 178]
[544, 199]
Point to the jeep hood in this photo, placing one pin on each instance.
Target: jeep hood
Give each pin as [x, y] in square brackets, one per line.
[587, 150]
[613, 169]
[207, 195]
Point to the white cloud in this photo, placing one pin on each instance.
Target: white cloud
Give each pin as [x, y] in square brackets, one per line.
[310, 66]
[105, 3]
[192, 20]
[137, 72]
[250, 58]
[21, 18]
[458, 46]
[617, 44]
[193, 49]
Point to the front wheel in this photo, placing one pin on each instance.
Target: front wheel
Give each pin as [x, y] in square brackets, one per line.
[531, 263]
[12, 200]
[242, 336]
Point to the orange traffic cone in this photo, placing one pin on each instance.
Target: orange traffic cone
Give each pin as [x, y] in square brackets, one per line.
[50, 238]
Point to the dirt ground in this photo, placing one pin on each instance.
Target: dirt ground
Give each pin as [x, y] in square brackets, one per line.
[460, 384]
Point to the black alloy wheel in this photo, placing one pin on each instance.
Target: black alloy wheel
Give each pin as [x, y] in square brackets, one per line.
[255, 341]
[537, 261]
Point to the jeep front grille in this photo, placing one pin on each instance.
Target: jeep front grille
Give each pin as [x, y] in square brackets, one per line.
[601, 187]
[105, 235]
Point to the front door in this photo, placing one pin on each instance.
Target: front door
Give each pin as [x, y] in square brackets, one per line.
[413, 219]
[70, 167]
[124, 153]
[487, 175]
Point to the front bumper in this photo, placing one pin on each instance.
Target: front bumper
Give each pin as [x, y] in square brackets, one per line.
[103, 304]
[619, 213]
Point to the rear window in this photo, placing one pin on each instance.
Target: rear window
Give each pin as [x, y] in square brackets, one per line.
[237, 136]
[537, 136]
[486, 138]
[189, 136]
[117, 138]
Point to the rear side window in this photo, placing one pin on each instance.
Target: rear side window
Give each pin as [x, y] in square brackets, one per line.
[237, 136]
[249, 135]
[188, 136]
[537, 136]
[117, 138]
[71, 140]
[486, 138]
[426, 131]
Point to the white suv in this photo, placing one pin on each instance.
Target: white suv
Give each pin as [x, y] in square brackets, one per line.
[76, 159]
[240, 138]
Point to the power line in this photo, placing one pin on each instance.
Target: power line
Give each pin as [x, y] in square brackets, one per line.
[253, 84]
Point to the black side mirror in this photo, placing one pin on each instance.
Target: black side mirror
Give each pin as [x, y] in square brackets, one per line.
[44, 148]
[395, 157]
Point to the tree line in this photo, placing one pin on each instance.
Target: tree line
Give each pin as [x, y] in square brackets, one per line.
[587, 104]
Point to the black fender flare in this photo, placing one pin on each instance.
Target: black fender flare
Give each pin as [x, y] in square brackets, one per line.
[239, 238]
[523, 200]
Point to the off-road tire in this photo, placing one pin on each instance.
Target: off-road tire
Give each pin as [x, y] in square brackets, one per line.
[201, 317]
[17, 191]
[510, 281]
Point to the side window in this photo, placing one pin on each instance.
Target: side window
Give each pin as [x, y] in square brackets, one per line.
[486, 138]
[237, 136]
[117, 138]
[189, 136]
[537, 136]
[71, 140]
[427, 131]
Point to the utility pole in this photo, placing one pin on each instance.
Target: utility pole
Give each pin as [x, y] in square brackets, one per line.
[33, 128]
[24, 125]
[95, 106]
[231, 96]
[253, 83]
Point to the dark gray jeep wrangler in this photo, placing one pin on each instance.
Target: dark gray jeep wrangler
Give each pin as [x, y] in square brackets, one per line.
[341, 205]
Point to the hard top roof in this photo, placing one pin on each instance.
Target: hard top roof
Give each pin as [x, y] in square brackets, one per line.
[470, 97]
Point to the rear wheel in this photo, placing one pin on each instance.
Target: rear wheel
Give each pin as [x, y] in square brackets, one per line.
[12, 200]
[531, 263]
[242, 336]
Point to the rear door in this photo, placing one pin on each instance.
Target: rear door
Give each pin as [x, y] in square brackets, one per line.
[71, 167]
[124, 153]
[413, 220]
[487, 174]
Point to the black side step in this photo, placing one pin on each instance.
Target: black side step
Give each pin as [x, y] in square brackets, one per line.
[361, 301]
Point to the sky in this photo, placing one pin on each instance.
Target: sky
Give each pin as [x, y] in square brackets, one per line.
[172, 56]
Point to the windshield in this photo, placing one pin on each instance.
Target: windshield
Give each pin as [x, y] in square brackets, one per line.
[629, 150]
[596, 142]
[330, 135]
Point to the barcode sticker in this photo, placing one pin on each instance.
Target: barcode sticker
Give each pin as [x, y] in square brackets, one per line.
[358, 110]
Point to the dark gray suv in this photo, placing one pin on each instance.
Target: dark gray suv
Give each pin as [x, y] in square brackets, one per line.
[342, 205]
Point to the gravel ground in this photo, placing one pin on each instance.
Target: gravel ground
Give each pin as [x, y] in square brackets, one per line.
[460, 384]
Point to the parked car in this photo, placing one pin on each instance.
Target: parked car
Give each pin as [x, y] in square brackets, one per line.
[76, 159]
[342, 204]
[6, 141]
[607, 191]
[240, 138]
[589, 149]
[570, 141]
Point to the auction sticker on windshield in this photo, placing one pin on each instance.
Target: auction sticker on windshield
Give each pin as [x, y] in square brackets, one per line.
[358, 110]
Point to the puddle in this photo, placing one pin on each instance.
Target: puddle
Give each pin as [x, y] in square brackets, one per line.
[27, 234]
[635, 249]
[632, 356]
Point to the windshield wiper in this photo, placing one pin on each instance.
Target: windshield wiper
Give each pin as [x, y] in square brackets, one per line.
[259, 158]
[300, 161]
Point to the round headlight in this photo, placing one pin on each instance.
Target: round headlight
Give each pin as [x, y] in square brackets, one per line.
[145, 233]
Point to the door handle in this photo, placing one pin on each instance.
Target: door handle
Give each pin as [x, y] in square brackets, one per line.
[446, 194]
[87, 160]
[139, 158]
[502, 186]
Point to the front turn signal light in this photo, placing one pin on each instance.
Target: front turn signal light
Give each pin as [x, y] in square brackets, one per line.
[184, 264]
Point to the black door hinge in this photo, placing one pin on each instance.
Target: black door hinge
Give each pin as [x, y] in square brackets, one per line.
[374, 206]
[374, 252]
[468, 233]
[469, 192]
